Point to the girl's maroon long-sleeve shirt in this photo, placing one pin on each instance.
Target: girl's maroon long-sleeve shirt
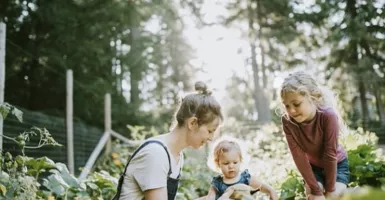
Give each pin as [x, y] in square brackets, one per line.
[315, 142]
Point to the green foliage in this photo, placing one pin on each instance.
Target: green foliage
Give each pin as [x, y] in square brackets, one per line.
[355, 138]
[62, 185]
[115, 162]
[5, 108]
[141, 132]
[365, 193]
[195, 168]
[23, 177]
[366, 167]
[292, 188]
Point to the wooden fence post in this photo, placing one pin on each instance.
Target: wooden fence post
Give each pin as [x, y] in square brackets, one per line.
[107, 120]
[2, 74]
[69, 121]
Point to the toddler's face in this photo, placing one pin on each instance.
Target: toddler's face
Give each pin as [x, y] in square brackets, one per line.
[230, 163]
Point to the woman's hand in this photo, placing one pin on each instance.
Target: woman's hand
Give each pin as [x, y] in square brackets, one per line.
[316, 197]
[226, 196]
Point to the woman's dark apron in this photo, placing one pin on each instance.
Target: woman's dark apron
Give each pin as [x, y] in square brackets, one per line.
[172, 184]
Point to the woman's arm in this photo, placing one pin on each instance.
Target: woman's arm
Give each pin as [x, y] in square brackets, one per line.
[211, 194]
[255, 183]
[156, 194]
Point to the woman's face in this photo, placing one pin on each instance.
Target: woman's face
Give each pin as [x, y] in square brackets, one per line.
[200, 135]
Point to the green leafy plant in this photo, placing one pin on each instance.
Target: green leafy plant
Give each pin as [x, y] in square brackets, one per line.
[363, 193]
[20, 176]
[141, 132]
[366, 168]
[293, 187]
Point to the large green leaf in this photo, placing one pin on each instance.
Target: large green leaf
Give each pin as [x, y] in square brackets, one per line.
[36, 166]
[66, 176]
[55, 184]
[18, 114]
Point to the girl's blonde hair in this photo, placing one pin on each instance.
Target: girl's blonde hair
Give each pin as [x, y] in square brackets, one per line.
[225, 146]
[304, 84]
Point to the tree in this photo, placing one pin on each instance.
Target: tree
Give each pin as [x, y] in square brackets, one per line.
[271, 33]
[105, 43]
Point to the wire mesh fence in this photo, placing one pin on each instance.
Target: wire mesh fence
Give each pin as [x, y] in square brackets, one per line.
[85, 137]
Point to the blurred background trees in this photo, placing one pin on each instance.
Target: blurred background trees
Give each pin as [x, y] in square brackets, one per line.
[140, 53]
[111, 46]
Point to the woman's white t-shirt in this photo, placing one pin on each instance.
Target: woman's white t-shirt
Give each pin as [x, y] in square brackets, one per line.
[148, 170]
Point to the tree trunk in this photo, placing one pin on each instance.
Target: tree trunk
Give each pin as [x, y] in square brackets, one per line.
[380, 107]
[135, 72]
[259, 96]
[34, 75]
[261, 47]
[120, 81]
[351, 10]
[266, 100]
[160, 83]
[364, 104]
[264, 77]
[134, 82]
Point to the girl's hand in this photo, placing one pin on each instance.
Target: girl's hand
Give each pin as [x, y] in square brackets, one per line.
[316, 197]
[331, 194]
[273, 195]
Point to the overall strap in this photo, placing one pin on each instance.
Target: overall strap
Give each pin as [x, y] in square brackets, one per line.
[120, 183]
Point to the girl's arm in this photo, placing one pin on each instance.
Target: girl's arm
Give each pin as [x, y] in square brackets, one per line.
[255, 183]
[302, 162]
[155, 194]
[331, 130]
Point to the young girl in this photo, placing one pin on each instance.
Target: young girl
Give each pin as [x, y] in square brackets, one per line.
[311, 125]
[228, 158]
[153, 171]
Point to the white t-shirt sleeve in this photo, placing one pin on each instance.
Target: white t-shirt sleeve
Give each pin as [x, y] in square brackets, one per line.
[151, 167]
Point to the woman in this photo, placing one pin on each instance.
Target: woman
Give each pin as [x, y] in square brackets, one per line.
[154, 168]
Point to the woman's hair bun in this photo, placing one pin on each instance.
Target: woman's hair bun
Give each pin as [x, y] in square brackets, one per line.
[201, 87]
